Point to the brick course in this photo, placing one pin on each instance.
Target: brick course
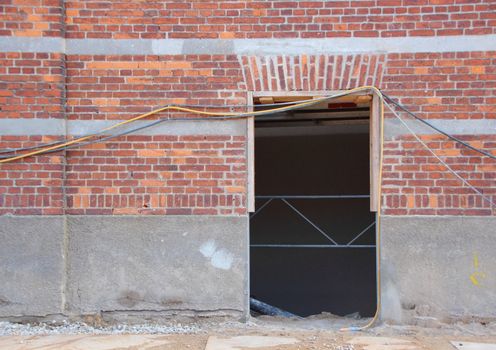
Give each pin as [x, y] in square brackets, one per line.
[32, 85]
[416, 183]
[32, 18]
[246, 19]
[113, 87]
[448, 85]
[33, 186]
[278, 19]
[174, 175]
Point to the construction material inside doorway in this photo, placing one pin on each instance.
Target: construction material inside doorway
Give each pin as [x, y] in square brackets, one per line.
[312, 235]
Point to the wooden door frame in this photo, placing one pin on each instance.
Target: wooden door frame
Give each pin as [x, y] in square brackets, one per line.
[374, 137]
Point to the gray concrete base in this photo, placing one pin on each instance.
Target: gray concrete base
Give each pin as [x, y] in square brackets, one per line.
[434, 269]
[117, 266]
[31, 265]
[438, 269]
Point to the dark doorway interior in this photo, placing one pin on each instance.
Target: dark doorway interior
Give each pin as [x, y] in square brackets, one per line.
[310, 160]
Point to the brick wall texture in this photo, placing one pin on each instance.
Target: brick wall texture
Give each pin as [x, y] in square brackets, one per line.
[246, 19]
[206, 174]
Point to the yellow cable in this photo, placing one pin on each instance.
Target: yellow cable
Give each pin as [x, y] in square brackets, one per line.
[378, 223]
[302, 104]
[182, 109]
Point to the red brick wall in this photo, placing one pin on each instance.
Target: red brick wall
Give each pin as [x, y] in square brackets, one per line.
[32, 85]
[246, 19]
[197, 175]
[32, 18]
[32, 186]
[459, 85]
[278, 19]
[416, 183]
[110, 87]
[172, 175]
[154, 175]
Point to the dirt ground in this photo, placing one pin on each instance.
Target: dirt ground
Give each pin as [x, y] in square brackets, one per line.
[271, 333]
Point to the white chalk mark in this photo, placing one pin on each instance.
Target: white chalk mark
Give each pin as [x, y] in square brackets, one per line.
[219, 258]
[222, 259]
[208, 249]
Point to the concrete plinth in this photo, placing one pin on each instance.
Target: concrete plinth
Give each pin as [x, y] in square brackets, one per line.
[31, 265]
[158, 265]
[433, 268]
[438, 268]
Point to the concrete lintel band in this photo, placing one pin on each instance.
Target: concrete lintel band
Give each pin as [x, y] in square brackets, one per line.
[393, 128]
[249, 46]
[30, 44]
[26, 126]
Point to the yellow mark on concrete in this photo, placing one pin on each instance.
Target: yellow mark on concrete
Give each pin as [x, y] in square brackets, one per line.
[474, 277]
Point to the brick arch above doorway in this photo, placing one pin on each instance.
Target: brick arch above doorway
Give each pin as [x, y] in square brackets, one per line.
[312, 72]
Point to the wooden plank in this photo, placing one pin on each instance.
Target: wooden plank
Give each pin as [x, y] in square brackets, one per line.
[358, 99]
[363, 99]
[250, 144]
[266, 100]
[375, 134]
[250, 154]
[280, 99]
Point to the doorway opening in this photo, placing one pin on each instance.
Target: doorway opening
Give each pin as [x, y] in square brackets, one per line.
[312, 233]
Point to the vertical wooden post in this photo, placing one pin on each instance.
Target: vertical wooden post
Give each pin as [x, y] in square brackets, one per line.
[375, 134]
[250, 155]
[251, 163]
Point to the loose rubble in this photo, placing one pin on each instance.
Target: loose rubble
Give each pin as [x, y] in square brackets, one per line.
[8, 328]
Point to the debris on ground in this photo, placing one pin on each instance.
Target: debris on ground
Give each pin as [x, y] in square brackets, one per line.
[7, 328]
[277, 333]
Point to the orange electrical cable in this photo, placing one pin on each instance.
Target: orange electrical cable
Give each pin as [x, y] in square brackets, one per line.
[183, 109]
[233, 114]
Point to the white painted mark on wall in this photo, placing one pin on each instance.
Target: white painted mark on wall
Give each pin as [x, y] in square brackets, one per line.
[208, 249]
[222, 259]
[219, 258]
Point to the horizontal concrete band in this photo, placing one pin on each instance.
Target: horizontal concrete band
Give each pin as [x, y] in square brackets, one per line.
[249, 46]
[393, 127]
[82, 127]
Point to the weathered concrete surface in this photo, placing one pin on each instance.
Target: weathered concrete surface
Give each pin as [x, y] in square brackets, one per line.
[463, 345]
[384, 343]
[438, 268]
[432, 267]
[31, 265]
[158, 263]
[247, 341]
[277, 46]
[44, 126]
[86, 342]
